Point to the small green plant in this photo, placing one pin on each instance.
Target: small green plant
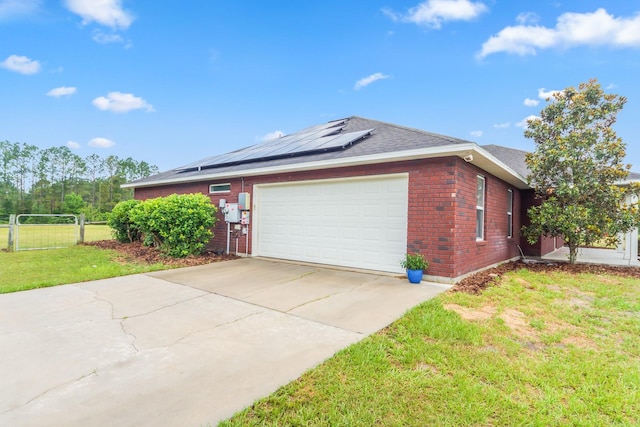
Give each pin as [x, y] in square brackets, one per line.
[414, 262]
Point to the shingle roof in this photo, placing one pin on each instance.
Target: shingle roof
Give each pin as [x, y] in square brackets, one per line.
[511, 157]
[385, 138]
[379, 138]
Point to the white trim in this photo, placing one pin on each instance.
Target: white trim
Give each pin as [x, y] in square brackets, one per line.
[482, 158]
[220, 191]
[480, 208]
[329, 180]
[509, 213]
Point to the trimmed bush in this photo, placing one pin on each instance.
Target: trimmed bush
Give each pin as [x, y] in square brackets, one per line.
[123, 228]
[179, 224]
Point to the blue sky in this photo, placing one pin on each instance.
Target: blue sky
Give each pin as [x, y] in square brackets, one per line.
[170, 82]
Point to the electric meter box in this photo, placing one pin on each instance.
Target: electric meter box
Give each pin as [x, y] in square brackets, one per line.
[245, 218]
[244, 201]
[231, 213]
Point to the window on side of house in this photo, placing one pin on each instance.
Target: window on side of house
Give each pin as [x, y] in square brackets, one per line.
[219, 188]
[480, 196]
[509, 213]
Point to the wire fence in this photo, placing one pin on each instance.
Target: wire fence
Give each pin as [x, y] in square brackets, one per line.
[49, 235]
[45, 231]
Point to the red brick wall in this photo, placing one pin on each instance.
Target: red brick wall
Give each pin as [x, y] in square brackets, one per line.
[442, 218]
[471, 254]
[431, 229]
[441, 215]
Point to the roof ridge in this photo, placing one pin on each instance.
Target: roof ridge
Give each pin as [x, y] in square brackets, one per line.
[416, 130]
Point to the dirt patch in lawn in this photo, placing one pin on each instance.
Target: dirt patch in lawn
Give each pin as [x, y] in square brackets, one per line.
[483, 313]
[138, 253]
[478, 282]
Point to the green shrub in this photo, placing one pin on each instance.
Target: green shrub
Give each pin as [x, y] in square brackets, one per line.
[180, 224]
[121, 221]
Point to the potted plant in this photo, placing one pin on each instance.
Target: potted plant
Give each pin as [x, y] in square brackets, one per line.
[415, 264]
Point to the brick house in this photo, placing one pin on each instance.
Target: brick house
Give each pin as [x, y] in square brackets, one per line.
[361, 193]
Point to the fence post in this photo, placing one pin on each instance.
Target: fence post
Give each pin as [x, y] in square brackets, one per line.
[81, 228]
[12, 224]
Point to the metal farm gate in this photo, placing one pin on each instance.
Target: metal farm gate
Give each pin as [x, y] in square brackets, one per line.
[45, 231]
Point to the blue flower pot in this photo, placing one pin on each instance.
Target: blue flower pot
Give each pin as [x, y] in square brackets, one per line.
[414, 276]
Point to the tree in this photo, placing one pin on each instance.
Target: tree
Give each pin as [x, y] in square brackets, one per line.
[112, 167]
[577, 168]
[94, 168]
[73, 204]
[25, 158]
[38, 181]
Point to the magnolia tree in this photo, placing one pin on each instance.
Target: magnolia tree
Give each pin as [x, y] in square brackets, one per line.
[577, 170]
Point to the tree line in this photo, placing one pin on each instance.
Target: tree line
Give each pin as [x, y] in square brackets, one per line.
[56, 180]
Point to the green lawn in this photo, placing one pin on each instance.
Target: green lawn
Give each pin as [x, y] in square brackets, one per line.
[36, 269]
[539, 349]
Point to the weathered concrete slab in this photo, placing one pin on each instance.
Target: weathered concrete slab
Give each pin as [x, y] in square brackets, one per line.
[182, 347]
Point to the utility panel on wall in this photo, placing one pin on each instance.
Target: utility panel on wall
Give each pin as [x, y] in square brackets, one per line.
[231, 213]
[244, 201]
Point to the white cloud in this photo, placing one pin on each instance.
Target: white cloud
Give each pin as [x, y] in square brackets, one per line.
[119, 102]
[528, 102]
[527, 18]
[104, 12]
[62, 91]
[73, 145]
[502, 125]
[547, 94]
[572, 29]
[21, 64]
[523, 122]
[476, 133]
[272, 135]
[103, 38]
[12, 8]
[101, 143]
[432, 13]
[366, 81]
[521, 40]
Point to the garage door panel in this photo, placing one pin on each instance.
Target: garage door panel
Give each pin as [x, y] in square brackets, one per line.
[354, 222]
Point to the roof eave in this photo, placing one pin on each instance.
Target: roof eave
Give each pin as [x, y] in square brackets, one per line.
[480, 157]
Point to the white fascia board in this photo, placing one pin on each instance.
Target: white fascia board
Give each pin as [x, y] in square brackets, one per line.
[490, 163]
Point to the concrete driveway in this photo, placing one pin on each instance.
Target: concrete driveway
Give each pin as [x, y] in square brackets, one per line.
[182, 347]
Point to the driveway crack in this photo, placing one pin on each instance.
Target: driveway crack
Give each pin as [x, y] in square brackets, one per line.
[212, 327]
[129, 334]
[162, 308]
[49, 390]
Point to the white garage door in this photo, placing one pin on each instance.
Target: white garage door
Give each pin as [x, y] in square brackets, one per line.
[348, 222]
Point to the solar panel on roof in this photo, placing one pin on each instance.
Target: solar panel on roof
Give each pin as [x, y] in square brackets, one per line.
[321, 138]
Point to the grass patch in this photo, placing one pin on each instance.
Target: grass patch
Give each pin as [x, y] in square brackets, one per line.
[37, 269]
[548, 349]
